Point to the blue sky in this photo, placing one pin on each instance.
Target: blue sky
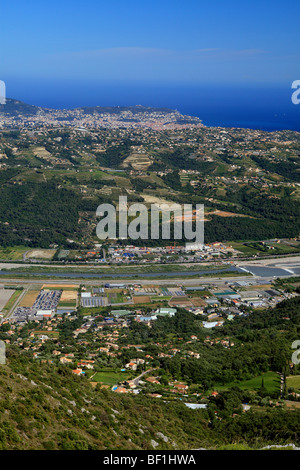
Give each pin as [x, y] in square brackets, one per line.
[233, 42]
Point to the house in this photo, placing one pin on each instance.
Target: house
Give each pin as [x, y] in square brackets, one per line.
[130, 384]
[194, 354]
[138, 361]
[65, 360]
[120, 390]
[131, 366]
[175, 351]
[77, 371]
[87, 364]
[152, 380]
[181, 386]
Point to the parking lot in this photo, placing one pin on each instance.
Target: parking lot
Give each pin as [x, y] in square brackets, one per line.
[46, 300]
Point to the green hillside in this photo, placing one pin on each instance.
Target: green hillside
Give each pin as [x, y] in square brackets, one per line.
[45, 407]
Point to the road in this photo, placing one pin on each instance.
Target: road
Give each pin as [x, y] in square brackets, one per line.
[146, 282]
[278, 260]
[137, 379]
[14, 305]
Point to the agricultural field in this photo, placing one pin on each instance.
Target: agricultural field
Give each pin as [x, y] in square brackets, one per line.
[41, 152]
[14, 253]
[271, 383]
[163, 298]
[137, 161]
[200, 293]
[41, 254]
[141, 299]
[116, 298]
[67, 304]
[109, 377]
[29, 298]
[149, 199]
[293, 381]
[226, 214]
[64, 287]
[198, 302]
[69, 297]
[243, 248]
[292, 404]
[31, 176]
[274, 247]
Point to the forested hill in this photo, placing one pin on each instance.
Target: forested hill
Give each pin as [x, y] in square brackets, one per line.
[15, 107]
[248, 180]
[44, 406]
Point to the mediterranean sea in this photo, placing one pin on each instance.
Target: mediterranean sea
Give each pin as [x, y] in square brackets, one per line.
[254, 106]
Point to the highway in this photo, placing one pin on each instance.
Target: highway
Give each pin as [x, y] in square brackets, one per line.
[145, 282]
